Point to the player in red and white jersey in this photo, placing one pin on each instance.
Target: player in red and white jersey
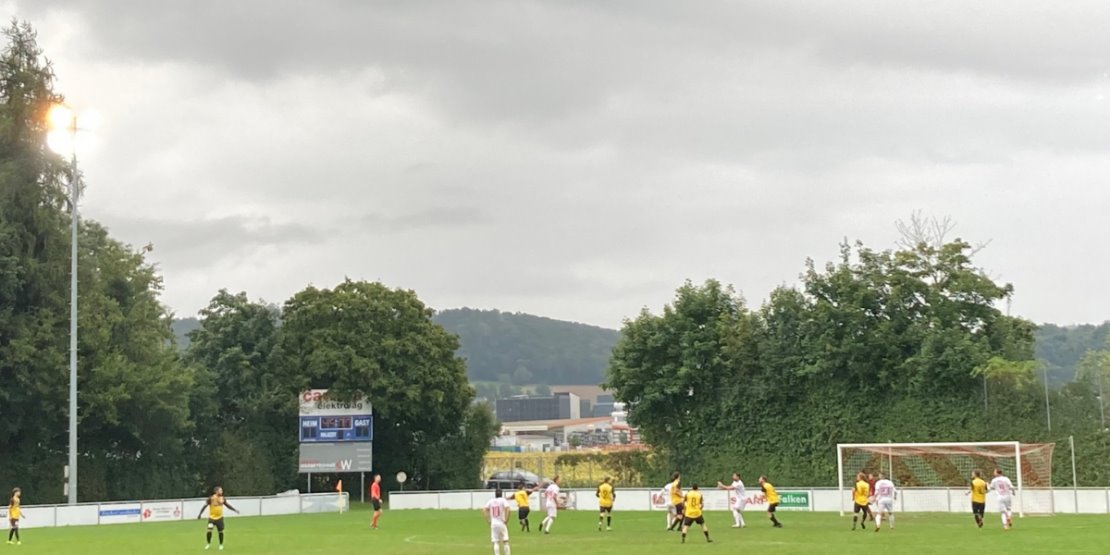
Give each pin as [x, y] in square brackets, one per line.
[496, 513]
[551, 501]
[1005, 489]
[885, 494]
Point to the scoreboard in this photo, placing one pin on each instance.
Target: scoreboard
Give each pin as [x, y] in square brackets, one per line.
[329, 429]
[335, 436]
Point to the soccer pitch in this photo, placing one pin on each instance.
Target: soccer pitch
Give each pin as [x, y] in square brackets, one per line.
[575, 533]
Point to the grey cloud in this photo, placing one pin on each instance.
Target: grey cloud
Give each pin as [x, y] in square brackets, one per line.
[581, 159]
[204, 241]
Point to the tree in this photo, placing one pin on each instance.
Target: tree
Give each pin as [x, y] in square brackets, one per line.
[365, 337]
[874, 346]
[132, 403]
[246, 419]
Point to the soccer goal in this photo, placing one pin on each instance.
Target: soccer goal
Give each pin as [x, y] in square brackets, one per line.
[935, 476]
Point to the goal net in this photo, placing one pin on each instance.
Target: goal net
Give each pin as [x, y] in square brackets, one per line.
[937, 476]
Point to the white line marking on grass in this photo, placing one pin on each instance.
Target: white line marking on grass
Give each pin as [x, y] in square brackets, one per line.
[413, 540]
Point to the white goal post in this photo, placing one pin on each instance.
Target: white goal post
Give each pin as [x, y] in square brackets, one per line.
[929, 476]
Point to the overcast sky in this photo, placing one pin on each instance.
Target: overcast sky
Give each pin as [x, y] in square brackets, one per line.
[580, 159]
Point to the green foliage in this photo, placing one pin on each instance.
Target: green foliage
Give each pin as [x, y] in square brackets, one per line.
[133, 402]
[1061, 348]
[900, 345]
[365, 337]
[524, 349]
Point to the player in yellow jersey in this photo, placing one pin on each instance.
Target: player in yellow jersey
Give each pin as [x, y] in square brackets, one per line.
[215, 505]
[772, 498]
[523, 507]
[676, 500]
[605, 498]
[978, 495]
[14, 516]
[861, 499]
[693, 504]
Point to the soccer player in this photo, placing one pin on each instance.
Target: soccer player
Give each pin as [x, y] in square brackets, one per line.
[1005, 489]
[738, 498]
[871, 493]
[376, 500]
[551, 499]
[692, 505]
[605, 498]
[215, 506]
[665, 496]
[860, 495]
[676, 500]
[885, 494]
[496, 513]
[523, 508]
[772, 500]
[14, 515]
[978, 495]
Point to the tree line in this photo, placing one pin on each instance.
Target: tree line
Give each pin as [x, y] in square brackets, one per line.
[903, 345]
[158, 423]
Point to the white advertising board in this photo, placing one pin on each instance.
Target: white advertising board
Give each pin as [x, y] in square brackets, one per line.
[120, 513]
[159, 511]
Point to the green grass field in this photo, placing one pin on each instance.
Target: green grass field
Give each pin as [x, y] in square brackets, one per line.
[575, 533]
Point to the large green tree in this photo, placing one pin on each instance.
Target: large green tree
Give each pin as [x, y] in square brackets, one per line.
[905, 344]
[246, 419]
[133, 396]
[365, 337]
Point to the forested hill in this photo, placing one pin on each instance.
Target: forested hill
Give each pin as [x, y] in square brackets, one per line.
[1061, 348]
[526, 349]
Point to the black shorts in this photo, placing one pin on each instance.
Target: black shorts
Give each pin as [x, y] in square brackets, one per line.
[978, 508]
[217, 523]
[607, 510]
[522, 513]
[679, 508]
[771, 508]
[696, 520]
[377, 503]
[861, 508]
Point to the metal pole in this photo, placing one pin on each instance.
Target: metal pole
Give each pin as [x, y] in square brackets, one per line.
[1047, 407]
[309, 482]
[362, 486]
[73, 326]
[1101, 403]
[1074, 481]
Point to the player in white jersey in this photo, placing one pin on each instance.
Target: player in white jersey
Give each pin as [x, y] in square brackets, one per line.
[885, 494]
[551, 501]
[496, 513]
[665, 495]
[1005, 489]
[738, 499]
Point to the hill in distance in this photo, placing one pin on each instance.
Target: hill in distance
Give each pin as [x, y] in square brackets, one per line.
[524, 349]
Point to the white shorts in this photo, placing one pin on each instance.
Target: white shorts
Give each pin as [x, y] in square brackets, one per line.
[552, 512]
[1005, 503]
[498, 532]
[885, 505]
[740, 503]
[671, 508]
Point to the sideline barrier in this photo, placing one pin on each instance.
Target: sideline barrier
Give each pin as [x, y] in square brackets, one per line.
[123, 512]
[942, 500]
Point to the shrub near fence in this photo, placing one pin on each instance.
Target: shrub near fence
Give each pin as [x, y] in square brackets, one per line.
[577, 469]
